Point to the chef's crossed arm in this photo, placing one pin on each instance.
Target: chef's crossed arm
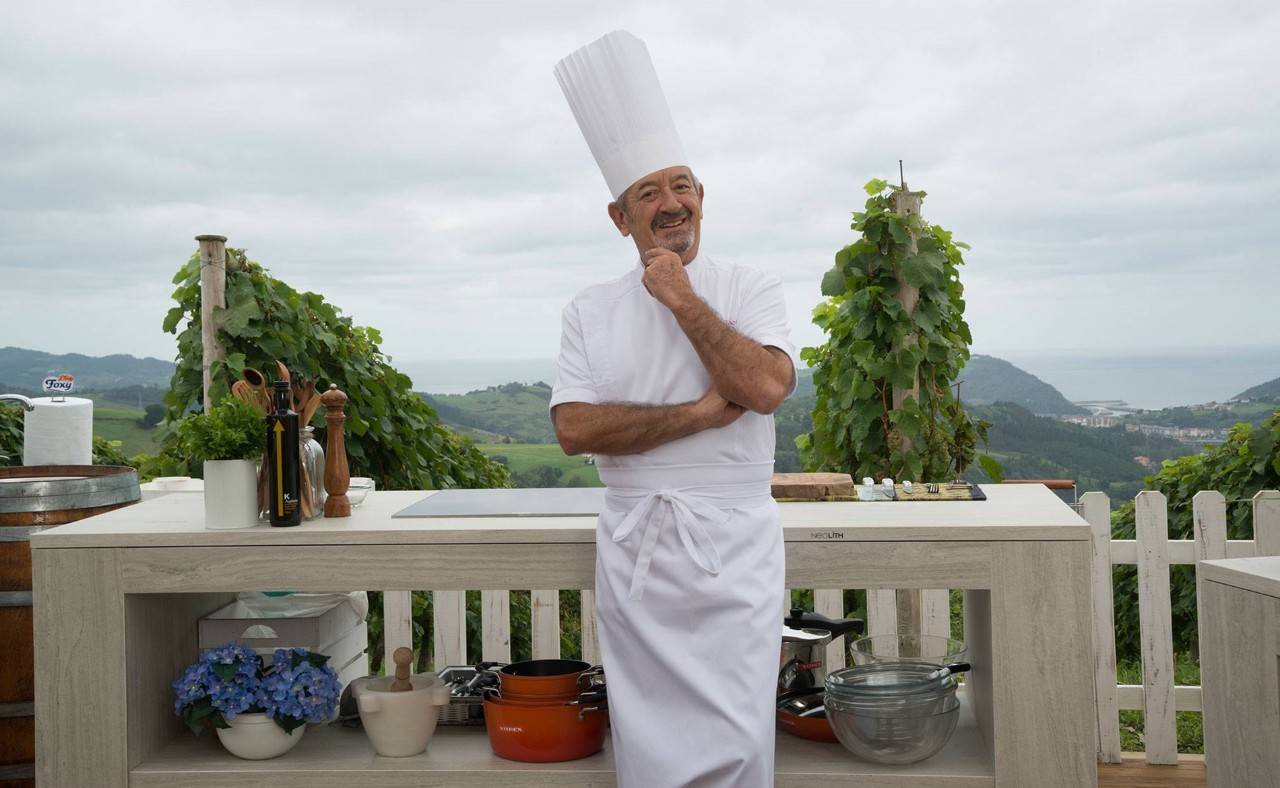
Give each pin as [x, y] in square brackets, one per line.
[626, 428]
[745, 367]
[583, 424]
[753, 367]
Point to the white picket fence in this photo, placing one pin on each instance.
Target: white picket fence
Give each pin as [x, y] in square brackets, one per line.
[1153, 552]
[929, 612]
[449, 643]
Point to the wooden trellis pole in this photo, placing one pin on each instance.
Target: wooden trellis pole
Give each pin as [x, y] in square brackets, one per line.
[213, 293]
[905, 202]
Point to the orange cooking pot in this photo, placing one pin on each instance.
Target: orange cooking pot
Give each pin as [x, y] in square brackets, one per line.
[545, 733]
[802, 713]
[545, 680]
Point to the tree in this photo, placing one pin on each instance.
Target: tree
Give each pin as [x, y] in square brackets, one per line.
[894, 319]
[392, 434]
[153, 415]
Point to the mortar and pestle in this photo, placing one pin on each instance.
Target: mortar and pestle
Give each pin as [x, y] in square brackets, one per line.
[399, 712]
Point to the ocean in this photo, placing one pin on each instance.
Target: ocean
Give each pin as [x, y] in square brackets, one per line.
[1145, 380]
[1153, 380]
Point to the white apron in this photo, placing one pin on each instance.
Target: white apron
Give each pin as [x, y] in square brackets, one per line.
[689, 567]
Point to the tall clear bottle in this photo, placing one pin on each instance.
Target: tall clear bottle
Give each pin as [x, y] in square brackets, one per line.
[284, 503]
[313, 458]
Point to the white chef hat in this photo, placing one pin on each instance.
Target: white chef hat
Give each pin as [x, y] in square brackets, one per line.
[615, 96]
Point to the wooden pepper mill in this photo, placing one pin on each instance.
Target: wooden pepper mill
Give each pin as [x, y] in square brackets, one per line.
[402, 657]
[337, 476]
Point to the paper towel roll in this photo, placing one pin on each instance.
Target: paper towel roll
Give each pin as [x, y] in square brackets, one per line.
[59, 433]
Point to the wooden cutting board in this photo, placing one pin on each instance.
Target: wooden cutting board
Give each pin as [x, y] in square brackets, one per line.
[812, 485]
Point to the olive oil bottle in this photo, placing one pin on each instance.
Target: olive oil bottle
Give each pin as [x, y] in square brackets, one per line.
[282, 460]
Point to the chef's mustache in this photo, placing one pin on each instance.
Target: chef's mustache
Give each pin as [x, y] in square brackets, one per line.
[664, 218]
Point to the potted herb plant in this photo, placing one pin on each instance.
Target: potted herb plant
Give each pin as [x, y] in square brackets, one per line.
[258, 709]
[226, 441]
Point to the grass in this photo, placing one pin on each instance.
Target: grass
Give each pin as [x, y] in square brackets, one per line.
[119, 422]
[524, 457]
[1190, 725]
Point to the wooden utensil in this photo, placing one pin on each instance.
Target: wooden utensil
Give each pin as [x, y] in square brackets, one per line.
[242, 391]
[305, 494]
[402, 657]
[303, 393]
[310, 408]
[258, 383]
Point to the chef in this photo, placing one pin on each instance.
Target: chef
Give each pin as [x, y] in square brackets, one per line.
[668, 374]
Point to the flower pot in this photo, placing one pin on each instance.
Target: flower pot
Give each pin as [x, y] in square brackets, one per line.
[230, 494]
[256, 737]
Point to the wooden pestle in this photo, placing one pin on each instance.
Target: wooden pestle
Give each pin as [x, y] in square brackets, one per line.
[337, 476]
[402, 657]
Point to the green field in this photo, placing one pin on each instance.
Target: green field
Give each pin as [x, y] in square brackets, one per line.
[523, 458]
[119, 422]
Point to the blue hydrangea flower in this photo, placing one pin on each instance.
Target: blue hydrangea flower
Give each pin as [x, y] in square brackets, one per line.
[304, 692]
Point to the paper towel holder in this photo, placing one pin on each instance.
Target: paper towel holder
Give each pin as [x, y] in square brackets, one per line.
[25, 402]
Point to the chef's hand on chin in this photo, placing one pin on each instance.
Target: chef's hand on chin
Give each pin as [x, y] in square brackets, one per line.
[666, 279]
[716, 411]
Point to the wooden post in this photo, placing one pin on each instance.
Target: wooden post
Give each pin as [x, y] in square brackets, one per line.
[1151, 515]
[910, 604]
[906, 203]
[1266, 522]
[213, 293]
[1097, 512]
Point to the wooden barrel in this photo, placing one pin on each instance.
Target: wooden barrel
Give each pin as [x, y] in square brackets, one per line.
[31, 499]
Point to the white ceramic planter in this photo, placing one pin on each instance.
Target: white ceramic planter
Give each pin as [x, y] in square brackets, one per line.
[256, 737]
[230, 494]
[400, 724]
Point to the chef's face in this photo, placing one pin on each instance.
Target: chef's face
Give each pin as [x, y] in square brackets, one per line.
[663, 209]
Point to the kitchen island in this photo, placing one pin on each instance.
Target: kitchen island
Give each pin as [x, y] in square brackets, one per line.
[116, 599]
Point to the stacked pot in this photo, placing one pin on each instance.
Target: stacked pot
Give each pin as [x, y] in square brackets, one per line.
[547, 710]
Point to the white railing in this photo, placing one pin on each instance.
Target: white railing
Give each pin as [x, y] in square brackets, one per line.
[449, 615]
[929, 612]
[450, 632]
[1153, 552]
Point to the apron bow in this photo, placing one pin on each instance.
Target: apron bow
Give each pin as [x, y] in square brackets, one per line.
[688, 513]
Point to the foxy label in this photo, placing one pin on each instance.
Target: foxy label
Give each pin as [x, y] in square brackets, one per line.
[59, 384]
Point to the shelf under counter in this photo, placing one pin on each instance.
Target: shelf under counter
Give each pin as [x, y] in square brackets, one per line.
[332, 756]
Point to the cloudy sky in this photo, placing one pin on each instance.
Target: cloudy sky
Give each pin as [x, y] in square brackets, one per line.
[1113, 165]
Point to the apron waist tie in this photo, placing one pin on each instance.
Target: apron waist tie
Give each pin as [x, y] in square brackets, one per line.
[689, 511]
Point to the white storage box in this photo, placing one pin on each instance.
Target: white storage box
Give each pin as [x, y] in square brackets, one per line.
[311, 621]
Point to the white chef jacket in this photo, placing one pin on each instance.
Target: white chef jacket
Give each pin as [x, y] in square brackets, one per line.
[689, 567]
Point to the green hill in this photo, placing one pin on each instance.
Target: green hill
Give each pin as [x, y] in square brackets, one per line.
[987, 379]
[1101, 459]
[1266, 392]
[514, 410]
[542, 465]
[25, 369]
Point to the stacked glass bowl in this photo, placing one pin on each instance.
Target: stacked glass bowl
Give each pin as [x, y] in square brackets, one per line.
[894, 711]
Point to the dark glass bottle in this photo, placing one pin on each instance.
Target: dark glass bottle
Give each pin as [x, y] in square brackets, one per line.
[282, 460]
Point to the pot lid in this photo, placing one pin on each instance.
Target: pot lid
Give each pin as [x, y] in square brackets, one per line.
[812, 636]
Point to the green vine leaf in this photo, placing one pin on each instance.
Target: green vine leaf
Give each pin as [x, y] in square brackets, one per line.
[392, 434]
[875, 345]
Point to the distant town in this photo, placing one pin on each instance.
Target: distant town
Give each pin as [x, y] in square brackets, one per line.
[1106, 414]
